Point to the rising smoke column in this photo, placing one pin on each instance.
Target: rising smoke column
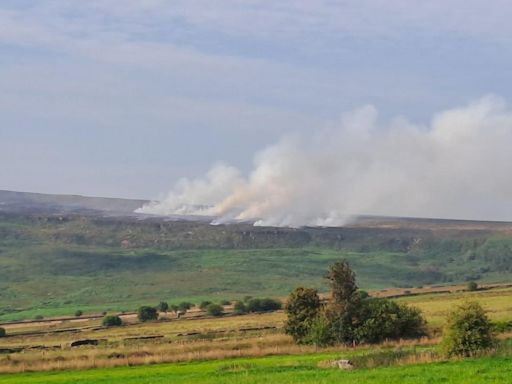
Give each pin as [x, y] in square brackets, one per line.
[459, 166]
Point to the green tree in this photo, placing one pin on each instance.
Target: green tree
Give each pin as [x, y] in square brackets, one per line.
[185, 306]
[111, 321]
[239, 308]
[78, 313]
[147, 313]
[215, 310]
[204, 304]
[302, 308]
[163, 306]
[468, 331]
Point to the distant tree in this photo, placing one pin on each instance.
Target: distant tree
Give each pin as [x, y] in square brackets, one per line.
[472, 286]
[239, 308]
[204, 304]
[163, 306]
[78, 313]
[215, 310]
[468, 331]
[174, 308]
[263, 305]
[185, 306]
[111, 321]
[2, 332]
[225, 302]
[302, 309]
[146, 313]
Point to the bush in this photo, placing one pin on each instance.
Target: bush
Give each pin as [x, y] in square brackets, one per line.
[162, 307]
[302, 309]
[319, 332]
[2, 332]
[185, 306]
[39, 317]
[263, 305]
[384, 319]
[215, 310]
[146, 313]
[468, 331]
[239, 308]
[112, 321]
[204, 304]
[225, 302]
[472, 286]
[78, 313]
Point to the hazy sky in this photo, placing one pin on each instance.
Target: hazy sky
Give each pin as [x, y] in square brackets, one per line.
[122, 98]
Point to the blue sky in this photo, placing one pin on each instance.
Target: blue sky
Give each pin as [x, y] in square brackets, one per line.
[122, 98]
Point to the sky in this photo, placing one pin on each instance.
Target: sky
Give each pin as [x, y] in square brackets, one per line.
[124, 98]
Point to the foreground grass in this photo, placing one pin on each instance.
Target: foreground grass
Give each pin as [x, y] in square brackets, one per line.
[281, 369]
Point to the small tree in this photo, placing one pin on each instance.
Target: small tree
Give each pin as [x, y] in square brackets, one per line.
[78, 313]
[468, 331]
[215, 310]
[2, 332]
[225, 302]
[112, 321]
[472, 286]
[174, 308]
[302, 309]
[146, 313]
[239, 308]
[204, 304]
[185, 306]
[163, 306]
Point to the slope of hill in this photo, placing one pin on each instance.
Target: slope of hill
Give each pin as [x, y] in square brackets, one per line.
[53, 263]
[28, 202]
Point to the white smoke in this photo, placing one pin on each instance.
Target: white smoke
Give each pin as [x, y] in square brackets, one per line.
[457, 167]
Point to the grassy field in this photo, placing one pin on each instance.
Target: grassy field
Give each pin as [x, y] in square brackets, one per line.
[281, 369]
[54, 265]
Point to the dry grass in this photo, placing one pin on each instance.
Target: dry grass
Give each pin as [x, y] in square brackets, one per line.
[171, 352]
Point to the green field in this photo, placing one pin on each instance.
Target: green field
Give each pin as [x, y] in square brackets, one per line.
[281, 369]
[54, 265]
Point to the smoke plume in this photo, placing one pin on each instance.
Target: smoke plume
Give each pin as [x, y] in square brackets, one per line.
[458, 166]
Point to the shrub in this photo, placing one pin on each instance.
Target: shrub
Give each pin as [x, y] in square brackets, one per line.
[146, 313]
[472, 286]
[384, 319]
[468, 331]
[204, 304]
[2, 332]
[185, 306]
[215, 310]
[163, 306]
[239, 308]
[263, 305]
[319, 331]
[302, 309]
[78, 313]
[225, 302]
[39, 317]
[112, 321]
[174, 308]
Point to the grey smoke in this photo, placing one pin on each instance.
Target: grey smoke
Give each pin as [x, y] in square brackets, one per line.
[459, 166]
